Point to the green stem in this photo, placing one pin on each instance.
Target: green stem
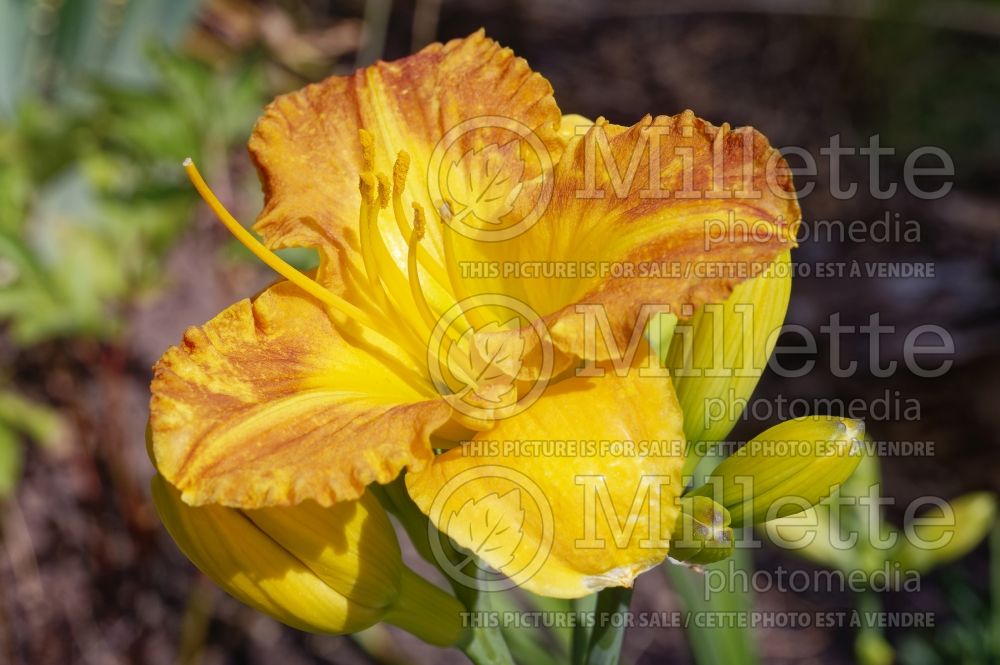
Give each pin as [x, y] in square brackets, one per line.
[584, 608]
[609, 626]
[870, 645]
[482, 643]
[428, 612]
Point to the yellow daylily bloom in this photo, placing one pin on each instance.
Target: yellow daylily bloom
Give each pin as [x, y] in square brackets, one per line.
[419, 183]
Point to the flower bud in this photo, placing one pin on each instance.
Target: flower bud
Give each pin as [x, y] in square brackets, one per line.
[327, 570]
[786, 470]
[702, 533]
[940, 538]
[717, 357]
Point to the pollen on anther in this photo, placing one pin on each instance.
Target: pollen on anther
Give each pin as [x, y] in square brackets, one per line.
[367, 184]
[419, 222]
[367, 149]
[383, 191]
[399, 171]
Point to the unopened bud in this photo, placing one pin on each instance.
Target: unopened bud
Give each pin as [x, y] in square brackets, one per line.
[787, 469]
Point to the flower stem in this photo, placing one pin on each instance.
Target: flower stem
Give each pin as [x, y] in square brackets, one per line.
[483, 644]
[584, 608]
[609, 626]
[428, 612]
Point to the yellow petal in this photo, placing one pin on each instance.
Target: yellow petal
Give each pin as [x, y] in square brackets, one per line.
[566, 523]
[716, 209]
[307, 149]
[255, 569]
[572, 125]
[267, 404]
[350, 545]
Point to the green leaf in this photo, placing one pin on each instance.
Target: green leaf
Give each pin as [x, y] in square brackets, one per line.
[41, 424]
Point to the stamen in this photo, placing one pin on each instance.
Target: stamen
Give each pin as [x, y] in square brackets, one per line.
[419, 227]
[273, 261]
[367, 218]
[367, 149]
[400, 169]
[383, 191]
[384, 275]
[389, 271]
[461, 371]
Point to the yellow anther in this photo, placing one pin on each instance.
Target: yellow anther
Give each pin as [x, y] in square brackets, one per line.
[368, 185]
[383, 191]
[419, 222]
[399, 172]
[367, 150]
[419, 227]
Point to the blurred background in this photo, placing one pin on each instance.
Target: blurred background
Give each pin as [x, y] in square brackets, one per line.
[106, 257]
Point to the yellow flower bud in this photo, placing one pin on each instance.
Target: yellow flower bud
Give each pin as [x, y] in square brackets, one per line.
[717, 357]
[786, 470]
[326, 570]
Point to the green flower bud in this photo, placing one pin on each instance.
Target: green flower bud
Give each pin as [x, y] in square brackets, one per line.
[786, 470]
[947, 534]
[702, 533]
[327, 570]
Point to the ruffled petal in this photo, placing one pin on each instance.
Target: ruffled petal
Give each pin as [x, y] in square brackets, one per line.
[715, 209]
[575, 494]
[308, 153]
[267, 404]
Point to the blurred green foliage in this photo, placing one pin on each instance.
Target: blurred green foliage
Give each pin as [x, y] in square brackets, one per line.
[860, 512]
[968, 639]
[91, 194]
[99, 104]
[20, 416]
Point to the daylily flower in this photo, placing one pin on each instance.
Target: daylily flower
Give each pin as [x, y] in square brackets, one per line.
[419, 182]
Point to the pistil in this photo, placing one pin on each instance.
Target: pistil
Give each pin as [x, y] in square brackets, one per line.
[274, 261]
